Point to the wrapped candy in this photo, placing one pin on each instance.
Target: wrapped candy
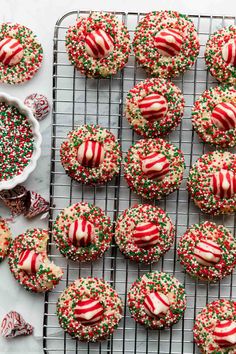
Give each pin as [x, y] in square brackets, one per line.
[38, 104]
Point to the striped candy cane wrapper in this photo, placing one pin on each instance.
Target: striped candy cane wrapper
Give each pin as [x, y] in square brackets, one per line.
[13, 325]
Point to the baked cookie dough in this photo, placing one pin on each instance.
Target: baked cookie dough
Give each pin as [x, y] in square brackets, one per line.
[212, 183]
[144, 233]
[214, 116]
[21, 54]
[157, 300]
[82, 232]
[29, 263]
[98, 45]
[166, 43]
[215, 328]
[91, 155]
[153, 168]
[220, 54]
[89, 309]
[154, 107]
[5, 238]
[207, 251]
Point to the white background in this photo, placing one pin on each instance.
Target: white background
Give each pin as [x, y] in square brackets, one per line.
[40, 16]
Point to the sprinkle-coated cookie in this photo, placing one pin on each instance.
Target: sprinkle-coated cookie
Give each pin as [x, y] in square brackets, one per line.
[21, 54]
[212, 183]
[154, 168]
[5, 238]
[220, 54]
[214, 116]
[82, 232]
[89, 309]
[207, 251]
[29, 262]
[154, 107]
[91, 155]
[98, 45]
[215, 328]
[144, 233]
[157, 300]
[16, 143]
[166, 43]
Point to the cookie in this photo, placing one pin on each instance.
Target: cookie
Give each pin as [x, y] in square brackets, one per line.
[214, 116]
[82, 232]
[215, 328]
[5, 238]
[220, 54]
[21, 54]
[98, 45]
[91, 155]
[154, 107]
[89, 309]
[144, 233]
[157, 300]
[207, 251]
[166, 43]
[17, 142]
[153, 168]
[29, 263]
[212, 183]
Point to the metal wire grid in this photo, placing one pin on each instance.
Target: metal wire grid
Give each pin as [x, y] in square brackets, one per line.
[78, 100]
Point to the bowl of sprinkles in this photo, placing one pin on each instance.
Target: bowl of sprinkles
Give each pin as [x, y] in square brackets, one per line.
[20, 142]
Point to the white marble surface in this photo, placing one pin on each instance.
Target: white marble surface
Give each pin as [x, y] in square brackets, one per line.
[41, 16]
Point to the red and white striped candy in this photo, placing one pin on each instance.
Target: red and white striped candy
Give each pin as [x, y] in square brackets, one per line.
[81, 232]
[89, 311]
[207, 252]
[11, 51]
[224, 183]
[153, 107]
[169, 42]
[90, 153]
[146, 235]
[156, 304]
[29, 261]
[155, 166]
[225, 333]
[224, 116]
[99, 44]
[229, 52]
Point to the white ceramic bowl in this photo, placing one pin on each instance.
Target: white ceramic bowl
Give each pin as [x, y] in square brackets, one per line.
[11, 183]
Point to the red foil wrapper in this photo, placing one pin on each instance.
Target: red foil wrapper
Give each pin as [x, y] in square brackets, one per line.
[13, 325]
[38, 205]
[38, 104]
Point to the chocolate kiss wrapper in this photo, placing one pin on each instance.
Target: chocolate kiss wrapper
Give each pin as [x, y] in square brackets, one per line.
[38, 205]
[13, 325]
[16, 199]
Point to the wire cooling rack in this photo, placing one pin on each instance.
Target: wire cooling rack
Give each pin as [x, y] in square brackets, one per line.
[78, 100]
